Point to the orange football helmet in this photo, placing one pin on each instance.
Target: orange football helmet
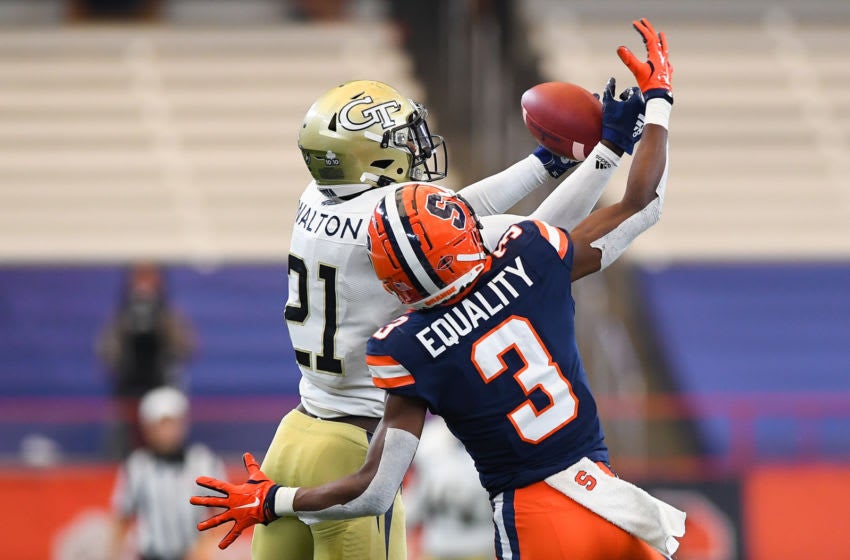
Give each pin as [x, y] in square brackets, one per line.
[425, 244]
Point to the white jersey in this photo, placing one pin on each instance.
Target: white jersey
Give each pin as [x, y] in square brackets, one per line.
[335, 304]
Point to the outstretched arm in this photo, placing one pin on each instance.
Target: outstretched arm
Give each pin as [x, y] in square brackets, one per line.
[605, 234]
[622, 125]
[574, 198]
[500, 192]
[569, 203]
[580, 191]
[369, 491]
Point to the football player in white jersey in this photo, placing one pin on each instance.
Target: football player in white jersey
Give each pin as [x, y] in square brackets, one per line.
[359, 140]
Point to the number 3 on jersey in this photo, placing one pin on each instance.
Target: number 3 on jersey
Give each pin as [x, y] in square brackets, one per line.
[538, 371]
[326, 360]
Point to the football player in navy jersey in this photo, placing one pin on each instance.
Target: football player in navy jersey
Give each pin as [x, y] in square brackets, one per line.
[489, 344]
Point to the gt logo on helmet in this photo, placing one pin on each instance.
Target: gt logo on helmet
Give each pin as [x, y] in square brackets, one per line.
[377, 114]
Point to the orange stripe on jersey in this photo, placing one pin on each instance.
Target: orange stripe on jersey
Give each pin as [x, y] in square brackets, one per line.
[544, 231]
[555, 236]
[380, 361]
[565, 243]
[387, 373]
[393, 382]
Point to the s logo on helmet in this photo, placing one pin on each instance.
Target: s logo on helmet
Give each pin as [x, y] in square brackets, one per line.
[377, 114]
[445, 209]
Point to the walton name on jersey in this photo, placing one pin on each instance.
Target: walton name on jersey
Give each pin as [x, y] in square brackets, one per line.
[329, 225]
[470, 312]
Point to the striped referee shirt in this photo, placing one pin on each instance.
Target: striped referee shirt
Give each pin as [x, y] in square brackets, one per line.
[156, 492]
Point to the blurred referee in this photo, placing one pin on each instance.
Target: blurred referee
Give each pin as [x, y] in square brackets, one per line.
[156, 481]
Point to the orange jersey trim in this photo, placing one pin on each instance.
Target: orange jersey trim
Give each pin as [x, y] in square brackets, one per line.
[393, 382]
[559, 240]
[380, 361]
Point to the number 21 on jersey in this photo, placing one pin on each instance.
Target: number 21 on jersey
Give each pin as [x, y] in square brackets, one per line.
[326, 360]
[539, 371]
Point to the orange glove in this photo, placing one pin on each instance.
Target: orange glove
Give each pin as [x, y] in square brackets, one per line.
[653, 76]
[246, 504]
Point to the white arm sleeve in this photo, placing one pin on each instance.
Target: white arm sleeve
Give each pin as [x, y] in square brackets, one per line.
[499, 192]
[613, 243]
[399, 450]
[573, 201]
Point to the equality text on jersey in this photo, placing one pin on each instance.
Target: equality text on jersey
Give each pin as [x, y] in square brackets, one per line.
[475, 309]
[317, 222]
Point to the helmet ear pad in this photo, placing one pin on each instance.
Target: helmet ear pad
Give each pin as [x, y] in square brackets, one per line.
[366, 133]
[425, 244]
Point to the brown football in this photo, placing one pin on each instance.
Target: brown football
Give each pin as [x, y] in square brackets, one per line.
[564, 118]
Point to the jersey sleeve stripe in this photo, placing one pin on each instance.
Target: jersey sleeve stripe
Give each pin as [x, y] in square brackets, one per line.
[563, 242]
[543, 231]
[380, 360]
[394, 382]
[388, 371]
[389, 374]
[555, 236]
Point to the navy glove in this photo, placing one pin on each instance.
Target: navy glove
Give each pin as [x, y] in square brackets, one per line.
[554, 165]
[622, 121]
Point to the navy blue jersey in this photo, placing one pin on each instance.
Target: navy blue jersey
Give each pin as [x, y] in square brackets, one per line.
[501, 365]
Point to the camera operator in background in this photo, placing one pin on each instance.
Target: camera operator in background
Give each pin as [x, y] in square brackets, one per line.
[143, 347]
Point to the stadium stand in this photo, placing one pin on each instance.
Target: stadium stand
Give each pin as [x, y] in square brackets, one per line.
[762, 124]
[176, 143]
[745, 278]
[46, 348]
[167, 143]
[761, 351]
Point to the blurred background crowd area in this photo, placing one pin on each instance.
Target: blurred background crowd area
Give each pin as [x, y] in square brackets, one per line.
[156, 138]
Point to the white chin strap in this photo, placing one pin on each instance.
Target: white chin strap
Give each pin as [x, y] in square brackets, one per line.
[452, 289]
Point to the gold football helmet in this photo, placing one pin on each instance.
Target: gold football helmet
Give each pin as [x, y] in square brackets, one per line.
[365, 134]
